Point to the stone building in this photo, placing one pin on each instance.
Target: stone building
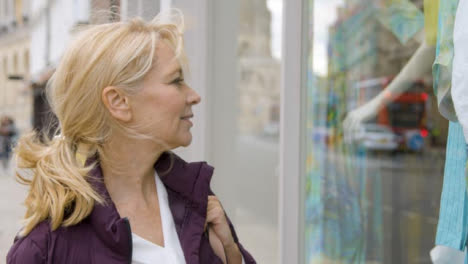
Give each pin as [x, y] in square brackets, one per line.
[259, 71]
[15, 97]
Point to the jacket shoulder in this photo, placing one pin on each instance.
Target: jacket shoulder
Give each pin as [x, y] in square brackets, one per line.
[31, 248]
[190, 179]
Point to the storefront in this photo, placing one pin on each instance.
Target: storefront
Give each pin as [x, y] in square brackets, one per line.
[375, 138]
[327, 148]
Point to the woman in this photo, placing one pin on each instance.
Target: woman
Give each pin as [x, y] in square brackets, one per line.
[107, 189]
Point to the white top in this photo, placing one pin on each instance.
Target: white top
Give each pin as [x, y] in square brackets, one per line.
[460, 66]
[146, 252]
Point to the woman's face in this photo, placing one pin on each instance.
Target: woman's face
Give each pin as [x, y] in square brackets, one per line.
[163, 107]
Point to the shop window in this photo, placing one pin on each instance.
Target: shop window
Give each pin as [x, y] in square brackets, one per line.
[373, 184]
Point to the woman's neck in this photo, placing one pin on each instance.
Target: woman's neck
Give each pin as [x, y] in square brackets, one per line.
[128, 168]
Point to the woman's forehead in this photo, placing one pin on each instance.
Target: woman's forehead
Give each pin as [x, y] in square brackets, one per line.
[168, 67]
[165, 60]
[164, 53]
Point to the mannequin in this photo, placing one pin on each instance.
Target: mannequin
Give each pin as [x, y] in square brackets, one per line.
[460, 66]
[451, 244]
[448, 249]
[418, 65]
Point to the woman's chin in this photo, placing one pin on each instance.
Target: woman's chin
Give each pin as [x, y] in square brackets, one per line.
[185, 140]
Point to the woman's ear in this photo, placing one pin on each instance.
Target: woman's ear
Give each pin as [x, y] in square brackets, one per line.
[117, 103]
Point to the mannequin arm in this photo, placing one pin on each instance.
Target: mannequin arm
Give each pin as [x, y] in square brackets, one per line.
[419, 64]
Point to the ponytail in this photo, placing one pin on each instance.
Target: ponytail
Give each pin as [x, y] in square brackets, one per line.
[58, 189]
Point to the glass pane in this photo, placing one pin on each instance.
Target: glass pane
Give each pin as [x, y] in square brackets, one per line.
[375, 138]
[246, 176]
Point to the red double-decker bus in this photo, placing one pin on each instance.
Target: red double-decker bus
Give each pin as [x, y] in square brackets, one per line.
[404, 114]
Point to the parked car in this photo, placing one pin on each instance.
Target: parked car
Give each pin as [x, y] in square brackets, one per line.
[377, 137]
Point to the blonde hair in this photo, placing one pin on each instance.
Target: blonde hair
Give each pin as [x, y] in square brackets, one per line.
[115, 54]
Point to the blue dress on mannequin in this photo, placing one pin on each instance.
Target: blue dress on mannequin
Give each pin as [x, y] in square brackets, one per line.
[452, 226]
[453, 220]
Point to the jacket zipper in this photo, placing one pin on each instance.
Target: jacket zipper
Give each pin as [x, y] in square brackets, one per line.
[129, 238]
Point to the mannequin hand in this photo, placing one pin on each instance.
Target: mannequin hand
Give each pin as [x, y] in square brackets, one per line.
[446, 255]
[355, 118]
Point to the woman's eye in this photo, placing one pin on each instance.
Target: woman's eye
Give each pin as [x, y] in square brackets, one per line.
[178, 81]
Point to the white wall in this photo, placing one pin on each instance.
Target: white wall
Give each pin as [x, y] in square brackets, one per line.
[81, 10]
[146, 9]
[196, 40]
[64, 14]
[62, 20]
[37, 6]
[38, 46]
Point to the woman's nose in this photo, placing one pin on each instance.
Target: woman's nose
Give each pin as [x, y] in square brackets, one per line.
[193, 97]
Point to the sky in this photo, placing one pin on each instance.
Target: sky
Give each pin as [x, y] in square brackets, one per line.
[276, 9]
[324, 16]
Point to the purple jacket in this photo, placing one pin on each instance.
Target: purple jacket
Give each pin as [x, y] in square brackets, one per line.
[104, 237]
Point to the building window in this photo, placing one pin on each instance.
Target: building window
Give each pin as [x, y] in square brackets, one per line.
[15, 63]
[26, 61]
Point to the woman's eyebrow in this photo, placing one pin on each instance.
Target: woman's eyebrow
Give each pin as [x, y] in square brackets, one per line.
[173, 72]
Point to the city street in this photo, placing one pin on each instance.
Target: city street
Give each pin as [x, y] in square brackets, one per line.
[11, 209]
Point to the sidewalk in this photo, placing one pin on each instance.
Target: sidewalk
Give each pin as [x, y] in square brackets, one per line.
[12, 195]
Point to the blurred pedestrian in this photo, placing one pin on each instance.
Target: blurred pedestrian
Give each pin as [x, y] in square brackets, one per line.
[7, 133]
[108, 189]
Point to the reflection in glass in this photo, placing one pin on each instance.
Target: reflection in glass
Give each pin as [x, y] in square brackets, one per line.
[375, 139]
[250, 181]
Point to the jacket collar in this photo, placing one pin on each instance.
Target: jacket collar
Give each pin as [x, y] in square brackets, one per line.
[184, 178]
[175, 173]
[189, 180]
[105, 219]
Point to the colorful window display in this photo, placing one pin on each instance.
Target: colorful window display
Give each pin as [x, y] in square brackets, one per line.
[375, 137]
